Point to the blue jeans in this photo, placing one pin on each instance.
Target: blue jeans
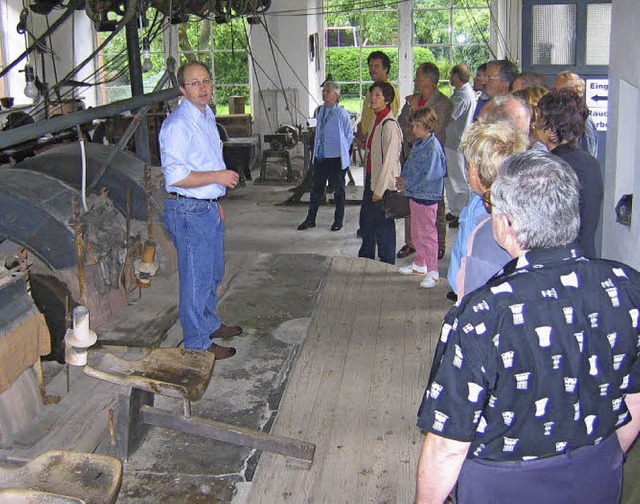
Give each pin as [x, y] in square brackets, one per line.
[197, 232]
[377, 231]
[328, 169]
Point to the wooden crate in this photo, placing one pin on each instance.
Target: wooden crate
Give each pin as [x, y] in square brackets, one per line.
[237, 125]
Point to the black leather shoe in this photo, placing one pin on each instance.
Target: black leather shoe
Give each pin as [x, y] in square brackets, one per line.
[221, 352]
[440, 253]
[450, 217]
[451, 296]
[405, 251]
[454, 223]
[306, 225]
[336, 227]
[225, 331]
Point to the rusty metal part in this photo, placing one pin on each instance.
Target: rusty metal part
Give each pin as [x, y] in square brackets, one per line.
[19, 135]
[148, 193]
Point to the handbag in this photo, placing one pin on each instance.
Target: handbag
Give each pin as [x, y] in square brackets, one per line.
[395, 205]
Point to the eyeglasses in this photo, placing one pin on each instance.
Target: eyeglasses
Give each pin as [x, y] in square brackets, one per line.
[486, 201]
[493, 77]
[197, 83]
[481, 77]
[377, 95]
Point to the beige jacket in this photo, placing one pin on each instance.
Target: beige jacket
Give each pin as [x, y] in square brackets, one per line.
[386, 146]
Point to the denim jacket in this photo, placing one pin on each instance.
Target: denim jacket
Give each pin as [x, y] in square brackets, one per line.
[423, 171]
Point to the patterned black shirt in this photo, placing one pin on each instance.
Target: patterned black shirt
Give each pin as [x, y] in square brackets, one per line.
[537, 361]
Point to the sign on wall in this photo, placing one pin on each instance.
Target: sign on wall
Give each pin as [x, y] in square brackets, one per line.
[597, 98]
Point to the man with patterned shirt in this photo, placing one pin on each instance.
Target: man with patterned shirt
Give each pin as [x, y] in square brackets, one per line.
[534, 394]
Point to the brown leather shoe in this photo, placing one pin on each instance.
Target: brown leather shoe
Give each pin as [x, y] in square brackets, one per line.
[225, 331]
[405, 251]
[221, 352]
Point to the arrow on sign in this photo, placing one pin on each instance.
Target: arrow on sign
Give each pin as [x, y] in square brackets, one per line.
[598, 98]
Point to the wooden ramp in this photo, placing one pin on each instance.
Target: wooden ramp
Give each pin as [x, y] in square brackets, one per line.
[355, 389]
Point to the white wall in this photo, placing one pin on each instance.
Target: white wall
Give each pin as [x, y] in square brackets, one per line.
[293, 69]
[13, 46]
[622, 175]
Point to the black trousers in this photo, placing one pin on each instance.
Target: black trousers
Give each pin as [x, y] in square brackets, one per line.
[328, 169]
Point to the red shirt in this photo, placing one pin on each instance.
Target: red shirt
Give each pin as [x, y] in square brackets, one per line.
[379, 117]
[422, 102]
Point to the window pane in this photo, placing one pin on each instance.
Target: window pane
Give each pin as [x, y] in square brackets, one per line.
[431, 27]
[554, 35]
[598, 33]
[231, 67]
[380, 28]
[470, 26]
[229, 35]
[472, 55]
[421, 4]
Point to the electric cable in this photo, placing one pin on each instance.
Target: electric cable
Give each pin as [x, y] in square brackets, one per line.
[273, 56]
[253, 64]
[295, 74]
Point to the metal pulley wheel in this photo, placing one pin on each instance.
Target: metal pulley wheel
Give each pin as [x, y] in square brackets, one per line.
[292, 136]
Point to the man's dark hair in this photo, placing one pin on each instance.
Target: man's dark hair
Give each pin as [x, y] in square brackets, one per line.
[565, 114]
[431, 71]
[386, 62]
[386, 88]
[482, 68]
[508, 70]
[180, 74]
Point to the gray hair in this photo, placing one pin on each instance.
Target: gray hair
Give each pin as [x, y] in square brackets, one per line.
[539, 193]
[430, 71]
[501, 108]
[508, 71]
[333, 86]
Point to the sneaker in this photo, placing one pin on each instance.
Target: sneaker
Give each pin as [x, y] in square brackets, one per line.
[431, 279]
[413, 269]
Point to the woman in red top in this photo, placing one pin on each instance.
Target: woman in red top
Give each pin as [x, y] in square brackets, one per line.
[384, 145]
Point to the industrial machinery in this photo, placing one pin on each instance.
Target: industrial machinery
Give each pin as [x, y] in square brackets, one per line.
[86, 217]
[280, 143]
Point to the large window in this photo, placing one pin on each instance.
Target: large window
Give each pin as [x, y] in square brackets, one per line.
[369, 28]
[113, 60]
[446, 32]
[453, 31]
[222, 48]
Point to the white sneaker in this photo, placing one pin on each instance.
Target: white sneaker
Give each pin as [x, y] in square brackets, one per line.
[431, 279]
[413, 269]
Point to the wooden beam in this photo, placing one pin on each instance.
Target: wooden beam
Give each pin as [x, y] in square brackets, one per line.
[242, 436]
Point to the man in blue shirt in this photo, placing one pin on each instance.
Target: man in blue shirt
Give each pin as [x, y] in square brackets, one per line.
[334, 136]
[195, 177]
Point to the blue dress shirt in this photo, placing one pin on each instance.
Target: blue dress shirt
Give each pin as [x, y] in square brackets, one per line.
[189, 141]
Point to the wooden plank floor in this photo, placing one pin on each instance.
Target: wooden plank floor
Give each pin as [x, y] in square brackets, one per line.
[355, 389]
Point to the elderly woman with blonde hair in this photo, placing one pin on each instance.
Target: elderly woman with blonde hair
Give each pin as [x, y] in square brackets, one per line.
[485, 147]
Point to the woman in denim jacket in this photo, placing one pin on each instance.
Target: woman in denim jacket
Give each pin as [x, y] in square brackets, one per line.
[422, 179]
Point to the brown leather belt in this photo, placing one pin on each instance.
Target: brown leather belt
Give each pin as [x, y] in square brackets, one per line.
[174, 195]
